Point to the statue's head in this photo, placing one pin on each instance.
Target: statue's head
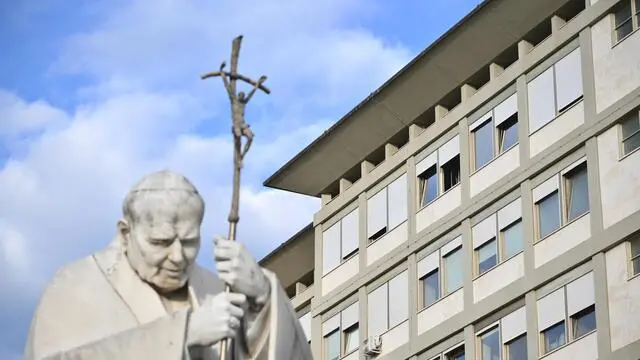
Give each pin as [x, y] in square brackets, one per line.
[160, 229]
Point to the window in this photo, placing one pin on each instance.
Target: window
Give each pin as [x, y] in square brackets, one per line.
[512, 239]
[388, 305]
[453, 271]
[429, 185]
[635, 256]
[439, 172]
[583, 322]
[548, 214]
[332, 346]
[387, 208]
[498, 237]
[567, 313]
[495, 132]
[553, 337]
[555, 90]
[305, 322]
[574, 192]
[457, 354]
[341, 333]
[626, 18]
[483, 143]
[630, 133]
[577, 192]
[487, 256]
[451, 173]
[508, 133]
[351, 339]
[430, 288]
[490, 345]
[516, 349]
[340, 241]
[440, 273]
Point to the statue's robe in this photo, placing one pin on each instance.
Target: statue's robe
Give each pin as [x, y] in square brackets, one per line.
[98, 308]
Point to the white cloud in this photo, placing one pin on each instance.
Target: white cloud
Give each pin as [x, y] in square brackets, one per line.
[146, 109]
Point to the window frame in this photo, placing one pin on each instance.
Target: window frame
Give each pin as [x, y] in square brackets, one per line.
[634, 17]
[499, 238]
[562, 191]
[573, 320]
[474, 142]
[388, 326]
[343, 257]
[421, 280]
[506, 346]
[443, 280]
[622, 138]
[454, 353]
[543, 343]
[567, 178]
[342, 334]
[632, 244]
[487, 330]
[497, 133]
[440, 170]
[387, 228]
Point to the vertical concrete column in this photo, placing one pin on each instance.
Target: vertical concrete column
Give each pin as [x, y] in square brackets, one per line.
[528, 227]
[362, 233]
[602, 306]
[412, 196]
[316, 336]
[317, 274]
[412, 271]
[467, 253]
[469, 342]
[363, 324]
[523, 119]
[533, 342]
[595, 197]
[588, 81]
[465, 161]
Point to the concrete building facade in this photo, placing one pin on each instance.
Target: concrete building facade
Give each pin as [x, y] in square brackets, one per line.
[484, 203]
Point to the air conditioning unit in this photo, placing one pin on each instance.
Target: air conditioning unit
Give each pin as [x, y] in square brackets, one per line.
[373, 345]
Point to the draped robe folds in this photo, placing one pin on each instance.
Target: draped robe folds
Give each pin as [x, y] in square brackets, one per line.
[98, 308]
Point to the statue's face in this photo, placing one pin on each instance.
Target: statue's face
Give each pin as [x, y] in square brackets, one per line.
[163, 244]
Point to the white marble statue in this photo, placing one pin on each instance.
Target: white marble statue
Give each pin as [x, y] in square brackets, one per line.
[144, 297]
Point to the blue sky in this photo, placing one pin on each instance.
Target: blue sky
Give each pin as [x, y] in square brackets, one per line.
[93, 95]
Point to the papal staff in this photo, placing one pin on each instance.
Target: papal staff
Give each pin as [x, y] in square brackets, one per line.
[239, 129]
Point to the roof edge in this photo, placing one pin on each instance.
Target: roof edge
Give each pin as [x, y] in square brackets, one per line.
[269, 182]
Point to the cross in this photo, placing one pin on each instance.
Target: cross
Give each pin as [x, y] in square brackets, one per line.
[239, 130]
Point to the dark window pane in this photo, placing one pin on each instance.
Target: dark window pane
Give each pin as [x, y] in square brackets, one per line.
[451, 173]
[490, 344]
[623, 13]
[584, 322]
[430, 185]
[512, 239]
[509, 133]
[487, 256]
[548, 215]
[431, 288]
[636, 265]
[624, 30]
[517, 348]
[632, 143]
[483, 141]
[630, 126]
[554, 337]
[578, 192]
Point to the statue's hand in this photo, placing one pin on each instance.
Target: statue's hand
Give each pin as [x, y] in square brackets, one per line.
[216, 319]
[239, 270]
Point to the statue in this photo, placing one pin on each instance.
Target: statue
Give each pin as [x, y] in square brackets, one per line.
[144, 297]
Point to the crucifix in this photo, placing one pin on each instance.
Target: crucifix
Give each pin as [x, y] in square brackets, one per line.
[239, 129]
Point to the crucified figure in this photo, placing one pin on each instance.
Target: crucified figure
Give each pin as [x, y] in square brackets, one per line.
[240, 129]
